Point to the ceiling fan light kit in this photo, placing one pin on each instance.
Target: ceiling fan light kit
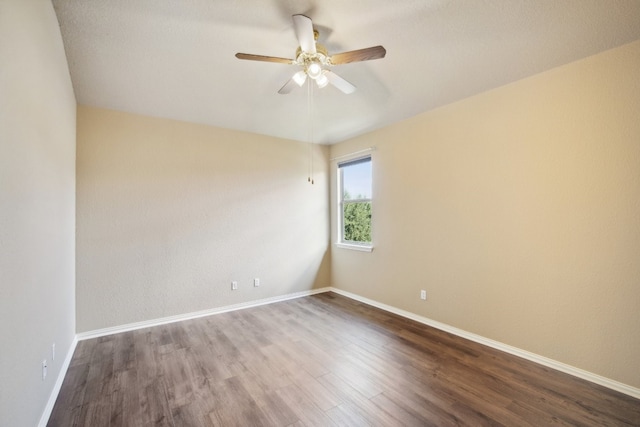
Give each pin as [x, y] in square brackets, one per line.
[315, 59]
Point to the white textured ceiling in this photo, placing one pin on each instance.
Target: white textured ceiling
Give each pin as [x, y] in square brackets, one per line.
[175, 58]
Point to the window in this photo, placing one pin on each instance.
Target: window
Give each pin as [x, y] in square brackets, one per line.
[354, 216]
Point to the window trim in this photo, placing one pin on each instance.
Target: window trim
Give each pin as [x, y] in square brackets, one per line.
[366, 247]
[340, 242]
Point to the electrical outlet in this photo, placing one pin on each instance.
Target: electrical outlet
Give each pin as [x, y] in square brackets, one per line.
[234, 285]
[423, 295]
[44, 369]
[256, 282]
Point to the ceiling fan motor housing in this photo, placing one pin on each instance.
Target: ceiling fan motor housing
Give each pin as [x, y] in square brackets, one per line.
[313, 63]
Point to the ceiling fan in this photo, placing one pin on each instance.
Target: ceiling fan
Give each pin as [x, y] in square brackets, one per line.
[314, 59]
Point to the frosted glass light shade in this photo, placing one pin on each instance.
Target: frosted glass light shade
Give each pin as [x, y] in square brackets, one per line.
[322, 81]
[300, 77]
[314, 70]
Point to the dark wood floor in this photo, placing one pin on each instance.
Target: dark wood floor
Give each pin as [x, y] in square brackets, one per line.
[319, 361]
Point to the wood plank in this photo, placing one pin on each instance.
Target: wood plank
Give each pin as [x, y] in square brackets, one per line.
[347, 415]
[154, 405]
[274, 408]
[125, 400]
[235, 406]
[306, 410]
[365, 406]
[402, 416]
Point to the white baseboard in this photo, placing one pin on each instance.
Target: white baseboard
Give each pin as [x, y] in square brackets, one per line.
[46, 414]
[562, 367]
[194, 315]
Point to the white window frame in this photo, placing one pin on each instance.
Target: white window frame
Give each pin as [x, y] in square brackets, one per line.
[347, 244]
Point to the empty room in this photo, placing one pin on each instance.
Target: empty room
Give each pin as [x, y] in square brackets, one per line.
[304, 213]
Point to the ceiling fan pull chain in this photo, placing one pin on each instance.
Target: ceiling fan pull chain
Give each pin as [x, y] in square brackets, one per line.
[310, 122]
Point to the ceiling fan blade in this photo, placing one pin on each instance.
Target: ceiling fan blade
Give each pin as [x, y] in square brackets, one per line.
[375, 52]
[288, 87]
[263, 58]
[304, 33]
[339, 82]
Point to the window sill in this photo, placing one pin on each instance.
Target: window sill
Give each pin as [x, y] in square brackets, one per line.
[355, 247]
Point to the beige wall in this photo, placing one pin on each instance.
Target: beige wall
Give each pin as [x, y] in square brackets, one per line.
[37, 208]
[169, 213]
[518, 210]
